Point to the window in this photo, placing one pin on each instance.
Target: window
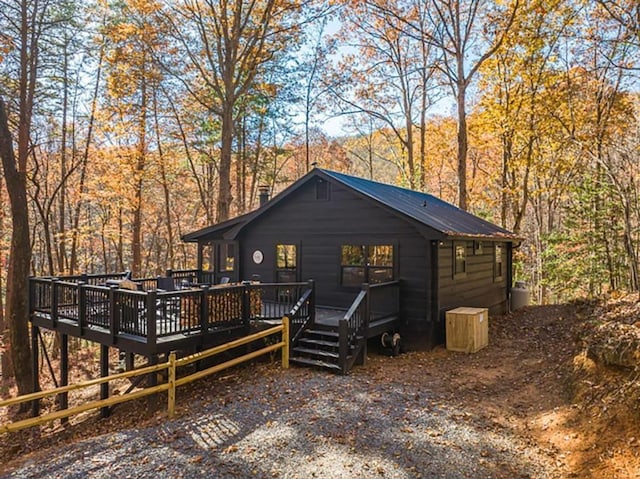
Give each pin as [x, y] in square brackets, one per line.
[380, 267]
[459, 259]
[286, 256]
[227, 256]
[208, 261]
[366, 264]
[353, 265]
[497, 265]
[322, 190]
[286, 263]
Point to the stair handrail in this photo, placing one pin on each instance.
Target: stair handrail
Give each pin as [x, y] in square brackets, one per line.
[354, 323]
[308, 297]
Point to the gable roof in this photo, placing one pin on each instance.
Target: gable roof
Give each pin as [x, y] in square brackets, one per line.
[423, 208]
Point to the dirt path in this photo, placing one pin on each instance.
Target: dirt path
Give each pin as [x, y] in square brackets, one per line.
[504, 412]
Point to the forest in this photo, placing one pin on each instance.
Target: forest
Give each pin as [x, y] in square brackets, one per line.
[125, 124]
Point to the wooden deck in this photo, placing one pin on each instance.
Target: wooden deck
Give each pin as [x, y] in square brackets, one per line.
[154, 316]
[154, 321]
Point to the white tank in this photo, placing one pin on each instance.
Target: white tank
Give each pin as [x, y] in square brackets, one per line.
[519, 296]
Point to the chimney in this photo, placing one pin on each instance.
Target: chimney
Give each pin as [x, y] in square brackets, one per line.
[264, 194]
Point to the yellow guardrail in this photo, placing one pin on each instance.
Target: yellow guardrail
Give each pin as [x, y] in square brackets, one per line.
[170, 386]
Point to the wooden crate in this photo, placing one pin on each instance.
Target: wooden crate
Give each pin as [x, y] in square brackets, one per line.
[467, 329]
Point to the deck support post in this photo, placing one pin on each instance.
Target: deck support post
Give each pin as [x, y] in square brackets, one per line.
[35, 404]
[128, 361]
[343, 344]
[104, 372]
[152, 401]
[64, 373]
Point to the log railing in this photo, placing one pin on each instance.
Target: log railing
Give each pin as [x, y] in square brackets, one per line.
[170, 386]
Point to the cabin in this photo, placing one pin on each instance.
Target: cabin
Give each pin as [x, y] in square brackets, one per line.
[349, 235]
[345, 259]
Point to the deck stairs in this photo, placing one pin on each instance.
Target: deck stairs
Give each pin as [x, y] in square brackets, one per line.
[319, 347]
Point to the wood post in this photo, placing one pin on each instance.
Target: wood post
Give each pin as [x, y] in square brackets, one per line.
[343, 344]
[114, 316]
[64, 373]
[153, 381]
[204, 310]
[172, 385]
[285, 340]
[151, 318]
[128, 361]
[312, 303]
[104, 372]
[54, 302]
[82, 307]
[35, 404]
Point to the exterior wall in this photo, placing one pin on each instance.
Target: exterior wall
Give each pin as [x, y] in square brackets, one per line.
[319, 227]
[477, 287]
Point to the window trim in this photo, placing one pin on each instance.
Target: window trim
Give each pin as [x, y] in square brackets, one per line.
[459, 274]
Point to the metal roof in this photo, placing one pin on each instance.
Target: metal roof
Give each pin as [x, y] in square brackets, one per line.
[424, 208]
[421, 207]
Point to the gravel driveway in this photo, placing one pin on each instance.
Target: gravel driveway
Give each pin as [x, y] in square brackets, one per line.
[302, 423]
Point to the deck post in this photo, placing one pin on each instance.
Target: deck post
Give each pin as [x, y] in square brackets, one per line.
[35, 404]
[286, 340]
[204, 310]
[64, 373]
[129, 361]
[343, 344]
[114, 324]
[82, 307]
[54, 302]
[104, 372]
[152, 401]
[246, 304]
[151, 318]
[312, 303]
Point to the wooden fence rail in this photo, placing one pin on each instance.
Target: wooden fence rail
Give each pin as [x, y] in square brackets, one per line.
[171, 365]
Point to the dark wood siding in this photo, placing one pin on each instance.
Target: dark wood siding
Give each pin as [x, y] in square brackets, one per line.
[477, 287]
[320, 227]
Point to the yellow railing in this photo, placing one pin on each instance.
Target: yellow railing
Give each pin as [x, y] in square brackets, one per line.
[172, 383]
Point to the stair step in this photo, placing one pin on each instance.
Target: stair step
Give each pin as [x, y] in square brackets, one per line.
[322, 332]
[315, 362]
[319, 342]
[316, 352]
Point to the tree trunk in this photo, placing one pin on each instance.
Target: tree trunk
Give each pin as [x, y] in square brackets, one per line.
[136, 242]
[17, 307]
[224, 191]
[462, 145]
[5, 365]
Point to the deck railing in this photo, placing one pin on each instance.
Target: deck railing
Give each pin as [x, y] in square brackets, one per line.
[154, 315]
[374, 302]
